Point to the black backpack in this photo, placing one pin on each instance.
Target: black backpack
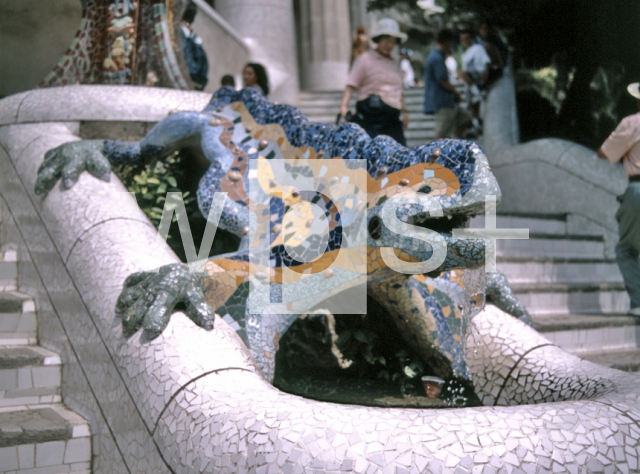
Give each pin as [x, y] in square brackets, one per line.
[196, 60]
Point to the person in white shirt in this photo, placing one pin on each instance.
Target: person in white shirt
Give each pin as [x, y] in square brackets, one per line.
[452, 67]
[408, 76]
[475, 71]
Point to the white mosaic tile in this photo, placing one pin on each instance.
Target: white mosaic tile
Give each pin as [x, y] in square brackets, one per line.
[95, 102]
[215, 413]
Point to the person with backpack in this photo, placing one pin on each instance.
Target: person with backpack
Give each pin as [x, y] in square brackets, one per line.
[194, 53]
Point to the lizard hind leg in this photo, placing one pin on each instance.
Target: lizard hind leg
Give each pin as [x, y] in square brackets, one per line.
[500, 293]
[263, 335]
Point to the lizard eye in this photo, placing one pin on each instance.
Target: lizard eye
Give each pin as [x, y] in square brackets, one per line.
[375, 228]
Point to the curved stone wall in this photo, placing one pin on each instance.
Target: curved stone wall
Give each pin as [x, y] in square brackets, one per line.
[192, 401]
[562, 177]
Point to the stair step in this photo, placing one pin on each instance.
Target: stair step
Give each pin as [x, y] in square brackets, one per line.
[8, 270]
[564, 298]
[44, 439]
[419, 136]
[558, 287]
[408, 93]
[425, 126]
[577, 321]
[420, 120]
[21, 356]
[10, 303]
[330, 119]
[326, 107]
[18, 324]
[38, 435]
[28, 375]
[322, 108]
[626, 360]
[559, 270]
[322, 104]
[314, 114]
[589, 333]
[548, 245]
[18, 339]
[412, 143]
[306, 95]
[537, 225]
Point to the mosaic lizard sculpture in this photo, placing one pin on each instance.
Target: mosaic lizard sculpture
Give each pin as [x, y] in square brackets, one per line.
[244, 137]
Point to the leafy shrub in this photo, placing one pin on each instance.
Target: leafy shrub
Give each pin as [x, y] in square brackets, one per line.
[152, 181]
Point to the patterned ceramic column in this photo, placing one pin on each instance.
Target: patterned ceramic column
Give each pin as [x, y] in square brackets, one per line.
[123, 42]
[325, 44]
[268, 28]
[360, 16]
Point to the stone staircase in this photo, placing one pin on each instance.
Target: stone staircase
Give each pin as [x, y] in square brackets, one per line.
[324, 107]
[575, 295]
[38, 434]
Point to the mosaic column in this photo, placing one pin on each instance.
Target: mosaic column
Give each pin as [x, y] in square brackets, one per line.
[125, 42]
[325, 44]
[360, 16]
[267, 27]
[358, 10]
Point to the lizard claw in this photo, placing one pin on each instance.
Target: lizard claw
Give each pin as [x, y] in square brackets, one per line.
[68, 161]
[149, 298]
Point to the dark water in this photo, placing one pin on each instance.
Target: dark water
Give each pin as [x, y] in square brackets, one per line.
[353, 391]
[383, 371]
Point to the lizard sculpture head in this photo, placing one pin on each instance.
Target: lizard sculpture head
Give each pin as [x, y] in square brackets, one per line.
[448, 179]
[358, 182]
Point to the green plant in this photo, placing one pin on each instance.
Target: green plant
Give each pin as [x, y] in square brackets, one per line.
[544, 82]
[152, 181]
[607, 86]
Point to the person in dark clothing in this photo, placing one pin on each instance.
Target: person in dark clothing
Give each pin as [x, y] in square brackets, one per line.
[194, 53]
[228, 80]
[495, 48]
[441, 98]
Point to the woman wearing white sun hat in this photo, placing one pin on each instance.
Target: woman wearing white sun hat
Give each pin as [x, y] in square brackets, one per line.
[376, 76]
[624, 144]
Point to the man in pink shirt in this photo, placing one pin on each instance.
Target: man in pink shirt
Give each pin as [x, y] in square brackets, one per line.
[624, 144]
